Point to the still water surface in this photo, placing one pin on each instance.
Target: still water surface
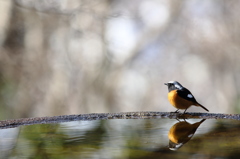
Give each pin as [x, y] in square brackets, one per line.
[124, 138]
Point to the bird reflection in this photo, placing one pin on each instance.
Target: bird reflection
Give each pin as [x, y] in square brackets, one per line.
[181, 132]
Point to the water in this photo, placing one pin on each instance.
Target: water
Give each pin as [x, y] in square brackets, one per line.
[124, 138]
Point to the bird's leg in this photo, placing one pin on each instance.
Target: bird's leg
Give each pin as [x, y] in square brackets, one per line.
[178, 120]
[176, 111]
[185, 111]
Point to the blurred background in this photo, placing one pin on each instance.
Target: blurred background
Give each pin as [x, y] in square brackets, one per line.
[98, 56]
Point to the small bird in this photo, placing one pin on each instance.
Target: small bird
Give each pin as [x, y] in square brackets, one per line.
[180, 97]
[181, 132]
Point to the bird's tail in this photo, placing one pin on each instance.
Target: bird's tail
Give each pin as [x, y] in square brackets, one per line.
[202, 107]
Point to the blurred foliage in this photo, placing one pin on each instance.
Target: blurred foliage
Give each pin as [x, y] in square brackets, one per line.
[7, 89]
[85, 56]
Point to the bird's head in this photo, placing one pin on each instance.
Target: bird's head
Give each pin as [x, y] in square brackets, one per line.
[173, 85]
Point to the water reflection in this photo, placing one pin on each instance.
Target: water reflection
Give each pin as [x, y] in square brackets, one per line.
[8, 140]
[123, 138]
[181, 132]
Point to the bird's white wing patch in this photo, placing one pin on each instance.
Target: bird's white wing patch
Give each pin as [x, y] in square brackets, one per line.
[177, 86]
[189, 96]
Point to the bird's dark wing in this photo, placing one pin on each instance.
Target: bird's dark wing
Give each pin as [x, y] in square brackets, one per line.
[186, 94]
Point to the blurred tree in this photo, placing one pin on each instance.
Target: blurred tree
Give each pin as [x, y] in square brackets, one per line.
[82, 56]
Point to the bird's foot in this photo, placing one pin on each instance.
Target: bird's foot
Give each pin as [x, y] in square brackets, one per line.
[175, 112]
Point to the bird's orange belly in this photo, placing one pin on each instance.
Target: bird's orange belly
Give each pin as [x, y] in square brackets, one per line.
[177, 101]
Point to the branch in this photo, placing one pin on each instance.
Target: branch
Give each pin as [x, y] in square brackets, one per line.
[124, 115]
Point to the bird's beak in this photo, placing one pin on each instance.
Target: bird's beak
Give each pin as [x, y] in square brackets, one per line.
[166, 83]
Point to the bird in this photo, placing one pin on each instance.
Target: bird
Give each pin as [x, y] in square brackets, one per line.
[181, 132]
[180, 97]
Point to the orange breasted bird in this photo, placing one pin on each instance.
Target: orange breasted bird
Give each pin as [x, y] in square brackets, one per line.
[180, 97]
[181, 132]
